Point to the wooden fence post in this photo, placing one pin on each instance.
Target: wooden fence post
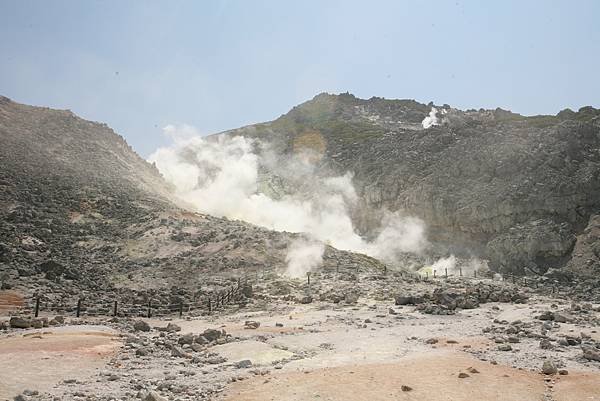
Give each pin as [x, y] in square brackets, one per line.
[115, 308]
[149, 308]
[78, 307]
[37, 306]
[181, 309]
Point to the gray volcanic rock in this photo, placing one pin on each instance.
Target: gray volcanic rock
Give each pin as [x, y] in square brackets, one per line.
[513, 189]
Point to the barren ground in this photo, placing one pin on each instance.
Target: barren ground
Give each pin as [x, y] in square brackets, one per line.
[313, 352]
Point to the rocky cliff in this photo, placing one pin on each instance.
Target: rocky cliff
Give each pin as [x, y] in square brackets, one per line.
[513, 189]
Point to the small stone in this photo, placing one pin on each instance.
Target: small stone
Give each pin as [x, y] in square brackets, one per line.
[251, 324]
[548, 368]
[463, 375]
[178, 353]
[590, 353]
[563, 372]
[154, 396]
[142, 351]
[504, 347]
[243, 364]
[406, 388]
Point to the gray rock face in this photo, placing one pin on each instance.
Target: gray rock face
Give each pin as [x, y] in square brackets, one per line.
[516, 190]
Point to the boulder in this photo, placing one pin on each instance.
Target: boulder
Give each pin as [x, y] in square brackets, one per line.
[305, 299]
[141, 325]
[19, 322]
[186, 339]
[172, 327]
[212, 335]
[590, 353]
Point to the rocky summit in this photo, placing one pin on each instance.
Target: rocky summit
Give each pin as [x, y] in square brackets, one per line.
[115, 287]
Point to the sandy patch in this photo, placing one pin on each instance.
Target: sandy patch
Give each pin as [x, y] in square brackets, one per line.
[433, 377]
[39, 360]
[577, 387]
[258, 352]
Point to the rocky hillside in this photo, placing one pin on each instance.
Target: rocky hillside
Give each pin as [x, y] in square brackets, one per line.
[82, 214]
[516, 190]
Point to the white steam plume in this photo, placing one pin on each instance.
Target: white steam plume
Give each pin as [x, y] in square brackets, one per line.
[220, 176]
[431, 119]
[442, 264]
[303, 256]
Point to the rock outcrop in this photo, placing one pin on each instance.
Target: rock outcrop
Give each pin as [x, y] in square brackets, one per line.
[513, 189]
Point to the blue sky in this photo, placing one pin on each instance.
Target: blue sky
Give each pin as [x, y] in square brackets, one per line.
[140, 65]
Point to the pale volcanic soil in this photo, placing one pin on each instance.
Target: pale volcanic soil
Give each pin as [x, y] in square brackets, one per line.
[372, 350]
[39, 359]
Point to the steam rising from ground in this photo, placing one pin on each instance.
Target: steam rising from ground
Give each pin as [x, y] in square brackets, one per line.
[221, 176]
[431, 119]
[454, 266]
[303, 256]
